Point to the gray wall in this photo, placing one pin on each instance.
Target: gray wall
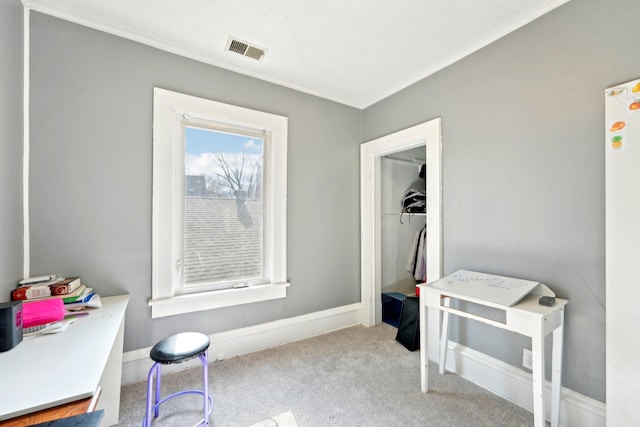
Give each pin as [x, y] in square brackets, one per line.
[11, 247]
[523, 165]
[523, 169]
[90, 192]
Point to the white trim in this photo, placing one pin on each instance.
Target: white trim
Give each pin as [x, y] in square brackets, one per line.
[454, 57]
[516, 385]
[371, 153]
[126, 34]
[26, 260]
[480, 43]
[492, 374]
[169, 110]
[252, 338]
[200, 301]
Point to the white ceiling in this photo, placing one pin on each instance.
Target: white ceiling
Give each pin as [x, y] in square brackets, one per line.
[356, 52]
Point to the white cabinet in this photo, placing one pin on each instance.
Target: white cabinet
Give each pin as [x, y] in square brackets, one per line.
[622, 170]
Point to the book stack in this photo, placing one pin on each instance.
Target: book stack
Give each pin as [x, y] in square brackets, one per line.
[74, 294]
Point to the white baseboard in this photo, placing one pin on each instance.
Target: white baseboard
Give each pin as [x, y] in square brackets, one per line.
[516, 385]
[228, 344]
[492, 374]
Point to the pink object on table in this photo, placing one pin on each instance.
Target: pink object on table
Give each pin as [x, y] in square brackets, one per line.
[36, 313]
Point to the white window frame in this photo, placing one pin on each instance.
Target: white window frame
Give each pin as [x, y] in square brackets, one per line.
[169, 112]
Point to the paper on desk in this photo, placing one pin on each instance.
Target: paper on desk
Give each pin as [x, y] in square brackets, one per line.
[51, 328]
[506, 291]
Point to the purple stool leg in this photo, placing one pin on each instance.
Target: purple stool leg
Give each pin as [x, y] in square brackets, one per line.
[152, 371]
[205, 389]
[157, 399]
[155, 402]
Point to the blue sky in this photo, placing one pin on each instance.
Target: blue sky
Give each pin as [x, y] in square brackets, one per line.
[201, 141]
[202, 144]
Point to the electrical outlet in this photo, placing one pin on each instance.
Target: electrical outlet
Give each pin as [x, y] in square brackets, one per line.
[527, 358]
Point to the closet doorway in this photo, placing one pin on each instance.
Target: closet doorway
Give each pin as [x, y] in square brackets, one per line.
[427, 135]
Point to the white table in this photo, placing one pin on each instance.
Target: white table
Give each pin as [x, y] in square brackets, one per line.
[526, 317]
[50, 370]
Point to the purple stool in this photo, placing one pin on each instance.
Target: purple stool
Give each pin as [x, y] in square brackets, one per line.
[177, 349]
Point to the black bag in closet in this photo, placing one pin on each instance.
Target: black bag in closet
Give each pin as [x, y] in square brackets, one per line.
[409, 328]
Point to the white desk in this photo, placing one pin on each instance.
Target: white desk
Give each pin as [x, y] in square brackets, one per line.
[50, 370]
[526, 317]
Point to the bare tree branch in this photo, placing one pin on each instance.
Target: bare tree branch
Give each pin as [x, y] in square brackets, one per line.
[232, 174]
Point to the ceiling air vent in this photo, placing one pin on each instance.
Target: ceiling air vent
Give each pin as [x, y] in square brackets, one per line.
[245, 49]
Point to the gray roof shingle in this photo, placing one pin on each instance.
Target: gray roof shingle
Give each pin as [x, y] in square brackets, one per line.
[223, 240]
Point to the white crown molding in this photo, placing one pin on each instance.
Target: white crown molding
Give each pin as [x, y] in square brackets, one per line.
[119, 32]
[479, 44]
[362, 103]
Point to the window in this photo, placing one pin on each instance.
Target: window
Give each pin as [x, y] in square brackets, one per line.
[219, 205]
[223, 209]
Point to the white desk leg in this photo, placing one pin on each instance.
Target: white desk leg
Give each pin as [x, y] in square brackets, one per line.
[424, 348]
[556, 375]
[444, 340]
[111, 382]
[537, 352]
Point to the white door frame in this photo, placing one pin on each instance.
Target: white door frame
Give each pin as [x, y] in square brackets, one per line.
[428, 134]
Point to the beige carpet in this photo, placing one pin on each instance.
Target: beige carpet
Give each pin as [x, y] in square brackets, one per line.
[353, 377]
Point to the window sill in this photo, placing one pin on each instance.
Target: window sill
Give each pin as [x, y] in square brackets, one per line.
[189, 303]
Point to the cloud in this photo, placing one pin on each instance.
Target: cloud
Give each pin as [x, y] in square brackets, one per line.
[207, 164]
[251, 145]
[203, 164]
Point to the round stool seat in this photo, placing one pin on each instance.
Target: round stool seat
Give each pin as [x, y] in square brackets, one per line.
[180, 347]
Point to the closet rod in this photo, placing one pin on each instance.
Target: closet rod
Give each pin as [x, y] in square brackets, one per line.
[415, 161]
[402, 213]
